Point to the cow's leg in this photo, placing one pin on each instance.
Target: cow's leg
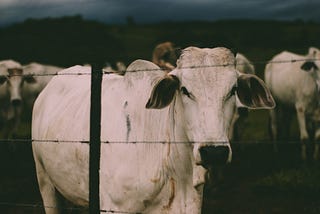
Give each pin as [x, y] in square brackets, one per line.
[273, 124]
[304, 137]
[50, 197]
[273, 128]
[237, 124]
[232, 125]
[285, 122]
[317, 142]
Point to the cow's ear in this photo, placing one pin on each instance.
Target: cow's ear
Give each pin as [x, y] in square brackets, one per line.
[308, 65]
[253, 93]
[163, 92]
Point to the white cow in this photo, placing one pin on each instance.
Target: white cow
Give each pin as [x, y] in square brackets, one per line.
[37, 77]
[180, 119]
[294, 80]
[11, 81]
[243, 65]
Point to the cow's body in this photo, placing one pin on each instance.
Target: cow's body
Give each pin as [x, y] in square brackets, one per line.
[11, 81]
[243, 65]
[162, 172]
[294, 81]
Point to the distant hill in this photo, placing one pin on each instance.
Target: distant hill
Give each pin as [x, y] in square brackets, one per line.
[72, 40]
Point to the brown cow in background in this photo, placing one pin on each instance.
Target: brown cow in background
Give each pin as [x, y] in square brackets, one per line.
[165, 55]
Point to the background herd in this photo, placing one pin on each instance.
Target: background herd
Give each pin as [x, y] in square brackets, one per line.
[298, 88]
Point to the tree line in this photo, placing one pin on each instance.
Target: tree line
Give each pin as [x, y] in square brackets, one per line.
[71, 40]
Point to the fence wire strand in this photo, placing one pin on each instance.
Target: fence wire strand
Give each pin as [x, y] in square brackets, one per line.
[30, 205]
[186, 67]
[246, 142]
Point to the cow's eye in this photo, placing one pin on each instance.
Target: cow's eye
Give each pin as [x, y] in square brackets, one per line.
[29, 79]
[3, 79]
[232, 92]
[185, 91]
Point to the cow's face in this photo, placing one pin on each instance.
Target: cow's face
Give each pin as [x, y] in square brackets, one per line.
[314, 53]
[15, 81]
[11, 81]
[206, 98]
[208, 103]
[312, 65]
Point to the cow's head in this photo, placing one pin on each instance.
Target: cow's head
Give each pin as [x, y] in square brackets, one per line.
[11, 80]
[312, 65]
[204, 87]
[165, 55]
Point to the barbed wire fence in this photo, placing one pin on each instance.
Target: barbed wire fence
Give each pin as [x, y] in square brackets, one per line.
[95, 141]
[185, 67]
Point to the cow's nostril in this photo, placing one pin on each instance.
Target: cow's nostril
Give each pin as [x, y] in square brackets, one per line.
[16, 102]
[214, 155]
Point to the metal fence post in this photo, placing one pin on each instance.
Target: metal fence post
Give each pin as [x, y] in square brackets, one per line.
[95, 140]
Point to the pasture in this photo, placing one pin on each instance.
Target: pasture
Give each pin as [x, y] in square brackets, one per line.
[259, 180]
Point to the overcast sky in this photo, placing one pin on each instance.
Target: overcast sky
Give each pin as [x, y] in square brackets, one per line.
[147, 11]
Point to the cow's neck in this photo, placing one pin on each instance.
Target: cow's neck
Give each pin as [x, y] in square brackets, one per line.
[177, 129]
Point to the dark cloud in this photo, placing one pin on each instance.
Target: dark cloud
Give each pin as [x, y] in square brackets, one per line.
[146, 11]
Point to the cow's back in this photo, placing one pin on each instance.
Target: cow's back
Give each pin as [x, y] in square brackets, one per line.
[67, 98]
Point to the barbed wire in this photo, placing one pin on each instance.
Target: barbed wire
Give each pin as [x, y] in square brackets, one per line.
[30, 205]
[123, 212]
[186, 67]
[244, 142]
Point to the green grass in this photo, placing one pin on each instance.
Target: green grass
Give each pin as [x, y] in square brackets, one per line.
[303, 181]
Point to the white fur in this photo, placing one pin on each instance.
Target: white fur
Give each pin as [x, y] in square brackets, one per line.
[161, 173]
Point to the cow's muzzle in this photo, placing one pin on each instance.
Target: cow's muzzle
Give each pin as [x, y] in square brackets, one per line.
[214, 155]
[16, 102]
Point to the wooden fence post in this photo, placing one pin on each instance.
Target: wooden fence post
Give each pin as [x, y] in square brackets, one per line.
[95, 139]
